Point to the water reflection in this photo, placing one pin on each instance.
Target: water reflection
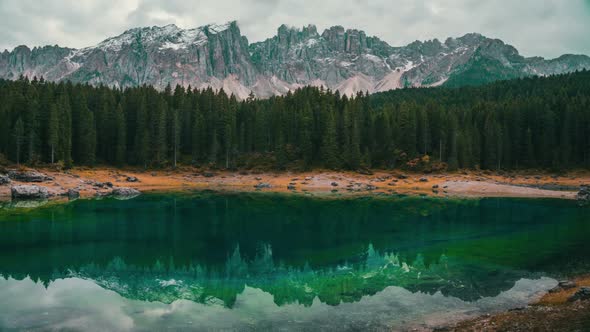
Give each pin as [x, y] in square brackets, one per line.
[82, 305]
[165, 282]
[274, 262]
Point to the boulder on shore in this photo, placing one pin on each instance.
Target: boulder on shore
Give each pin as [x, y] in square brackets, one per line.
[132, 179]
[582, 294]
[584, 194]
[4, 179]
[29, 192]
[263, 185]
[125, 193]
[29, 176]
[73, 194]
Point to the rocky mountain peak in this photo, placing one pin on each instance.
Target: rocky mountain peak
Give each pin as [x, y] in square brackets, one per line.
[219, 56]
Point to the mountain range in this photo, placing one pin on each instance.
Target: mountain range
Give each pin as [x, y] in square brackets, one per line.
[219, 56]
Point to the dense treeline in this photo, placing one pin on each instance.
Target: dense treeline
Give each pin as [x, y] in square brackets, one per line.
[525, 123]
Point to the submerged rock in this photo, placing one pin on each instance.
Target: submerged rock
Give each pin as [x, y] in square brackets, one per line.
[29, 176]
[29, 192]
[28, 204]
[125, 193]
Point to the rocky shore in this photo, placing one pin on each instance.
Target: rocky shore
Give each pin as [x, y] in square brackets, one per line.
[46, 183]
[565, 308]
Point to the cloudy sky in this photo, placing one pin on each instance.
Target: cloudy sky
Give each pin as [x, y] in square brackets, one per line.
[536, 27]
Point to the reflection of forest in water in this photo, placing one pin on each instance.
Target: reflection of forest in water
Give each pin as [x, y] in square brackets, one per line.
[208, 247]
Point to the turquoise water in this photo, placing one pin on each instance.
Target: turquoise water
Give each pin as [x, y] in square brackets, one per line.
[208, 261]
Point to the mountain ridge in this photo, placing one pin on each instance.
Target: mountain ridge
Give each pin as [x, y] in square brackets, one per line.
[219, 56]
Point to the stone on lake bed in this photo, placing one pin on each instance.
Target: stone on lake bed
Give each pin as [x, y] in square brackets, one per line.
[263, 185]
[132, 179]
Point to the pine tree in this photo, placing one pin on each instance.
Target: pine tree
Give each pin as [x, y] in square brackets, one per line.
[329, 145]
[142, 144]
[121, 136]
[453, 160]
[32, 125]
[198, 137]
[53, 130]
[306, 140]
[175, 137]
[407, 123]
[87, 137]
[19, 137]
[159, 138]
[65, 131]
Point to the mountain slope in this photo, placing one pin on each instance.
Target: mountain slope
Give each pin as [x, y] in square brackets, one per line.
[219, 56]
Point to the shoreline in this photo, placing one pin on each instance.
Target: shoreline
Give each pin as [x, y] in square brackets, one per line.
[90, 182]
[553, 312]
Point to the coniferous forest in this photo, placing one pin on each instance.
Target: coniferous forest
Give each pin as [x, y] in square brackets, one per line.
[541, 123]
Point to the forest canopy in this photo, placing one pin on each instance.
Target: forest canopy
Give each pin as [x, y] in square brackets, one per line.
[524, 123]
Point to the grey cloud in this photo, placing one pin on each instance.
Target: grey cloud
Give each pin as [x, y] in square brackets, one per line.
[536, 27]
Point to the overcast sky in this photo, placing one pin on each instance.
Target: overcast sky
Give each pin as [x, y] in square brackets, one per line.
[536, 27]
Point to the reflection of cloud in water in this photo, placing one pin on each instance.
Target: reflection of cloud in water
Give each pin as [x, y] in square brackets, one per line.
[79, 304]
[344, 283]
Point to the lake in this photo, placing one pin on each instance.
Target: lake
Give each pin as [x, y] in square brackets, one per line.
[208, 261]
